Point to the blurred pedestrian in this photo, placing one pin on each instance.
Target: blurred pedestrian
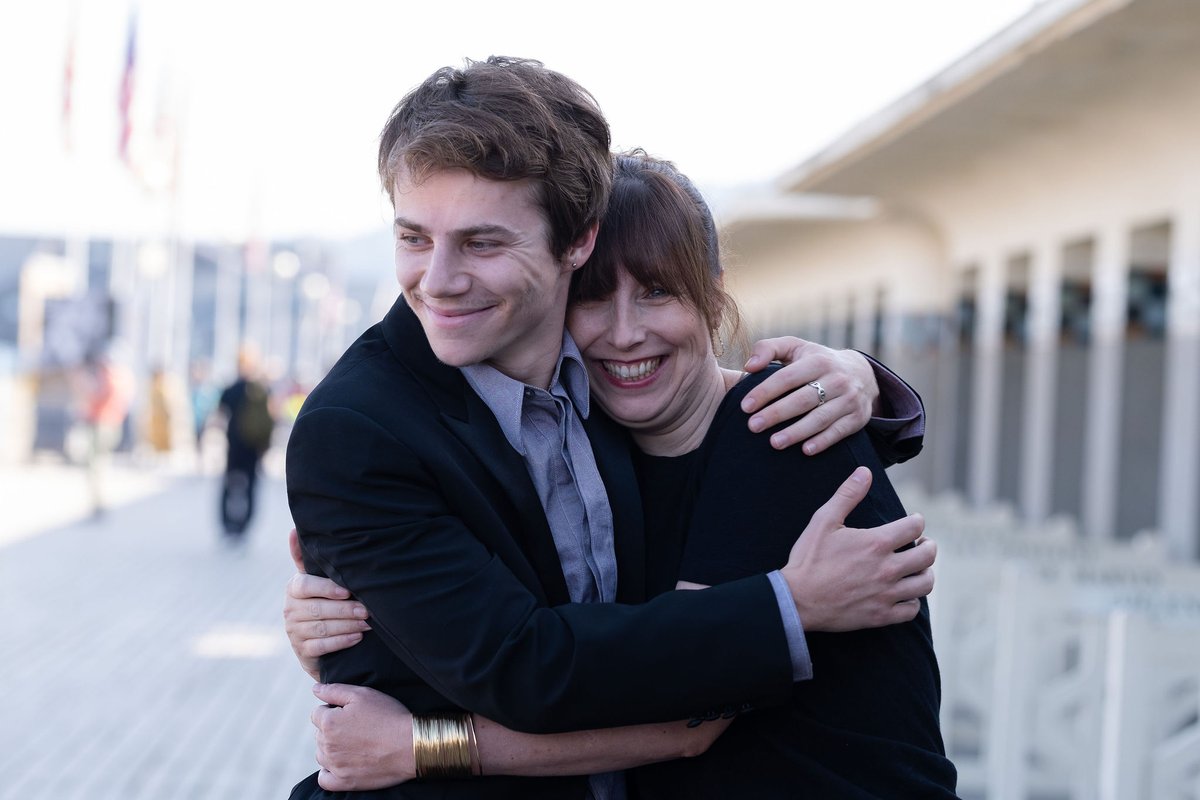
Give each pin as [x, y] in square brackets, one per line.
[108, 389]
[204, 395]
[246, 405]
[162, 403]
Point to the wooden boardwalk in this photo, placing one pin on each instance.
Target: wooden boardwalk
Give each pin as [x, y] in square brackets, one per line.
[143, 659]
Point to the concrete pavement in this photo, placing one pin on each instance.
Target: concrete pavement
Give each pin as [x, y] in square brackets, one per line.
[142, 658]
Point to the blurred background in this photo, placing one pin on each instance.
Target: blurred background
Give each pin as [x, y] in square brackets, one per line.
[1001, 200]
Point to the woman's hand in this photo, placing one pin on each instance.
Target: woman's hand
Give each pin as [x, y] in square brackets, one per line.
[842, 404]
[364, 739]
[320, 617]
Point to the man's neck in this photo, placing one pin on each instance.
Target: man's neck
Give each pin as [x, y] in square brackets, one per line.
[537, 370]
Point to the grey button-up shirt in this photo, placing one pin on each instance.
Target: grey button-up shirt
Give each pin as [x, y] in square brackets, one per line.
[546, 428]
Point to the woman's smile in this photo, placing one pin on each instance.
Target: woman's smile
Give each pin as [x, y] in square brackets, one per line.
[631, 373]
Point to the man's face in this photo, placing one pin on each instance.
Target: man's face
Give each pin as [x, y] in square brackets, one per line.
[473, 260]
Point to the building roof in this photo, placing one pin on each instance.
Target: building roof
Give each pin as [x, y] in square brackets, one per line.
[1038, 77]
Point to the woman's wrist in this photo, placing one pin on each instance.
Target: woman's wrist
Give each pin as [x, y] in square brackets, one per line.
[407, 770]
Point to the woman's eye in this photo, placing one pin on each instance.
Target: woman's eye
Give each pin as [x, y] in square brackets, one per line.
[657, 293]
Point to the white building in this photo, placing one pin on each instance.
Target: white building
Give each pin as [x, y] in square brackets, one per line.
[1020, 236]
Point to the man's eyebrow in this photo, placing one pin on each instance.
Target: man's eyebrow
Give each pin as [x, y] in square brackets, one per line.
[401, 222]
[484, 230]
[463, 233]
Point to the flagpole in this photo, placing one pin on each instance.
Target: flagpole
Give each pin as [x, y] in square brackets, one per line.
[76, 244]
[175, 123]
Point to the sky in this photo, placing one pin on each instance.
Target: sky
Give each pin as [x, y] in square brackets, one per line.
[276, 105]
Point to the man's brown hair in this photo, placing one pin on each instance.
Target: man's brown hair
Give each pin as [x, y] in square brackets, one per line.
[507, 119]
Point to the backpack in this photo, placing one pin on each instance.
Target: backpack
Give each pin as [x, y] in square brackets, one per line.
[254, 420]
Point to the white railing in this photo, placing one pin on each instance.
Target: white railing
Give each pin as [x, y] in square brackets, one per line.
[1069, 670]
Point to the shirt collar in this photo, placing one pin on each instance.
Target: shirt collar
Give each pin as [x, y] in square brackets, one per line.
[571, 375]
[505, 396]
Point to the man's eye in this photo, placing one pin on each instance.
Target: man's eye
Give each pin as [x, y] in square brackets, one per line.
[479, 246]
[410, 239]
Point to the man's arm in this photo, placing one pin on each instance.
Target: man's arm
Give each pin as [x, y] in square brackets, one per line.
[836, 574]
[373, 517]
[859, 392]
[880, 586]
[839, 579]
[365, 740]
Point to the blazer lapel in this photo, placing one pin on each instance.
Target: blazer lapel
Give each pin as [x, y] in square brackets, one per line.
[480, 433]
[472, 422]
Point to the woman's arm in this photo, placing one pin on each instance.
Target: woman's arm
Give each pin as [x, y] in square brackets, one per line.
[857, 391]
[364, 737]
[319, 616]
[364, 741]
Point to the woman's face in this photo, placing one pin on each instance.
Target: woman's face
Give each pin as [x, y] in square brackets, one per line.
[646, 352]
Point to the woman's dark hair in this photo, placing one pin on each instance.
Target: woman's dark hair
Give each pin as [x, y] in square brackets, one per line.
[661, 231]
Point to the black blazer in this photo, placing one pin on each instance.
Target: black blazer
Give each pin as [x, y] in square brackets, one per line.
[405, 491]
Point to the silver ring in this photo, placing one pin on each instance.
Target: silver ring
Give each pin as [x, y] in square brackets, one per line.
[821, 398]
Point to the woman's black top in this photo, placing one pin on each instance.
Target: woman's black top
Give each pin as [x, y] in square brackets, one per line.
[866, 724]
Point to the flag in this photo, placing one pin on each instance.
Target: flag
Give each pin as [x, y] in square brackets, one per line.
[125, 96]
[158, 154]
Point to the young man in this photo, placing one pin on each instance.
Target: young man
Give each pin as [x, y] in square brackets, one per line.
[450, 474]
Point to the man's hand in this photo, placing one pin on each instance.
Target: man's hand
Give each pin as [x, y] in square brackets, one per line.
[845, 579]
[320, 617]
[845, 375]
[364, 739]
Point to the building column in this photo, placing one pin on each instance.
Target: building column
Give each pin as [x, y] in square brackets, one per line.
[894, 348]
[941, 426]
[180, 357]
[1110, 277]
[1179, 517]
[227, 332]
[839, 319]
[864, 306]
[1037, 444]
[983, 459]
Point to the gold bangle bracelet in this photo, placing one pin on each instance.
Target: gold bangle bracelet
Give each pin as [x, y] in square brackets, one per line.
[475, 745]
[441, 745]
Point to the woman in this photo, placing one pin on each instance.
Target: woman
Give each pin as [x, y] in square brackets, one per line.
[645, 314]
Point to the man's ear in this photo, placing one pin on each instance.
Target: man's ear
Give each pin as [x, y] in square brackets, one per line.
[581, 250]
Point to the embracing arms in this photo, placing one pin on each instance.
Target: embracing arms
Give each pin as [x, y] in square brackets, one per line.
[426, 538]
[852, 383]
[364, 737]
[398, 623]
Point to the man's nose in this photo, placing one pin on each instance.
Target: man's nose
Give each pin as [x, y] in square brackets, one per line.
[444, 275]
